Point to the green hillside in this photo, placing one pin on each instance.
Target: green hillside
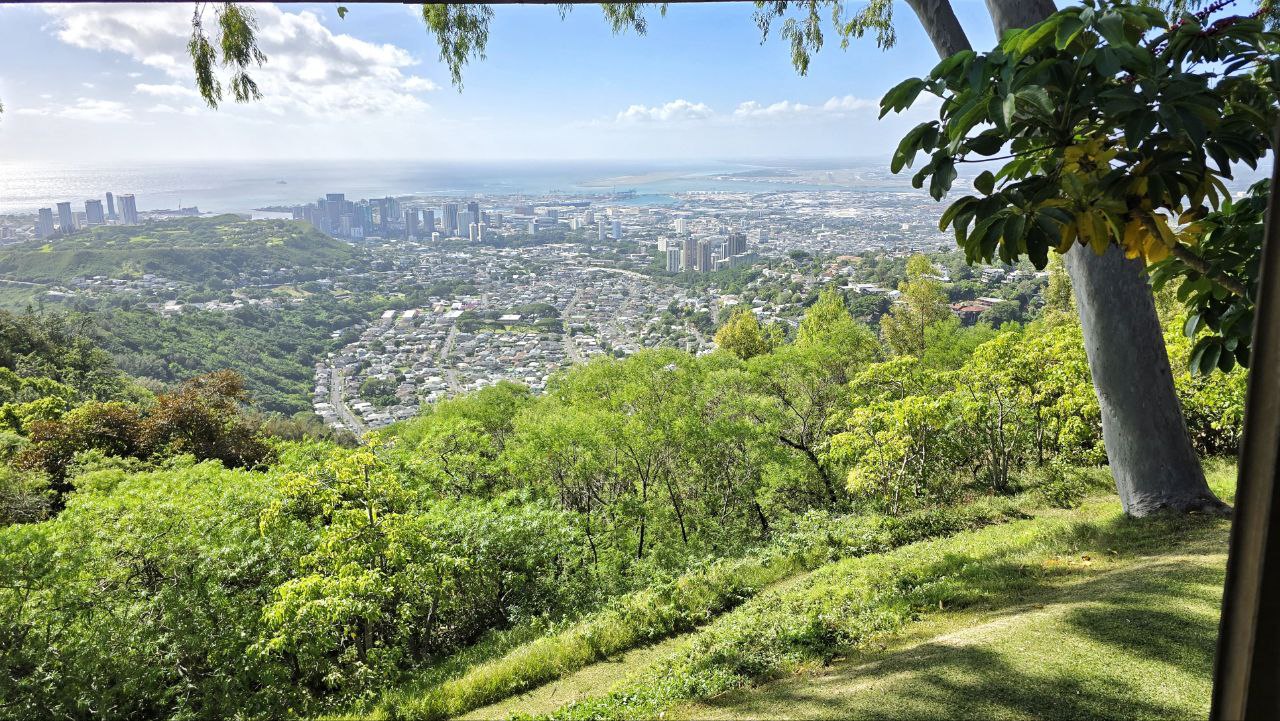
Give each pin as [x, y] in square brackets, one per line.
[190, 249]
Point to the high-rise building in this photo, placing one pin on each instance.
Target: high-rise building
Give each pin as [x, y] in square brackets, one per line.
[44, 224]
[673, 260]
[617, 230]
[66, 221]
[450, 218]
[682, 225]
[363, 218]
[474, 209]
[111, 207]
[690, 255]
[93, 214]
[428, 222]
[737, 243]
[333, 207]
[465, 219]
[480, 231]
[600, 231]
[473, 231]
[708, 252]
[128, 209]
[589, 217]
[410, 222]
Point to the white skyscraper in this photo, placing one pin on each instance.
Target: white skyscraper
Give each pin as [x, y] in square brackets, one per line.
[600, 231]
[673, 260]
[128, 209]
[44, 225]
[617, 230]
[66, 220]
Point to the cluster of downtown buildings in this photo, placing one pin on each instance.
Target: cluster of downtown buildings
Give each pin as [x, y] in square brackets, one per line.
[389, 218]
[69, 220]
[688, 253]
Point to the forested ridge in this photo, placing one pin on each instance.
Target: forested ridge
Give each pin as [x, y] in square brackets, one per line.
[167, 555]
[185, 249]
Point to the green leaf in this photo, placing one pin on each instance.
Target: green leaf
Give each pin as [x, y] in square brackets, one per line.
[1010, 107]
[942, 178]
[901, 96]
[986, 144]
[1192, 326]
[1012, 235]
[1209, 356]
[985, 182]
[342, 11]
[949, 65]
[1111, 27]
[908, 147]
[1036, 97]
[1037, 33]
[1068, 30]
[951, 212]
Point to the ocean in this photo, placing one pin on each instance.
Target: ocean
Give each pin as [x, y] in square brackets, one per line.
[245, 186]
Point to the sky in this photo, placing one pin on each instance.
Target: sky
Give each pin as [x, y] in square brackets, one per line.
[113, 83]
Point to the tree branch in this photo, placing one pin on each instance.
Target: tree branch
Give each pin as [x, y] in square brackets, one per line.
[1200, 265]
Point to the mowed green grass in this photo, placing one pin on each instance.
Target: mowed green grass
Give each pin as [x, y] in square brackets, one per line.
[1133, 642]
[1079, 613]
[1123, 626]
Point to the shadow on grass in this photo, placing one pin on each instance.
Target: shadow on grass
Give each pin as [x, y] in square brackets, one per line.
[976, 683]
[1159, 614]
[1160, 622]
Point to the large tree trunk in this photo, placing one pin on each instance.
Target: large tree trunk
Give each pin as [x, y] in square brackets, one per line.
[1146, 437]
[939, 20]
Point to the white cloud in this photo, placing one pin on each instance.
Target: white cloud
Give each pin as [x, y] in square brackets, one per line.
[748, 112]
[87, 109]
[169, 109]
[674, 111]
[416, 84]
[171, 90]
[310, 71]
[836, 107]
[850, 103]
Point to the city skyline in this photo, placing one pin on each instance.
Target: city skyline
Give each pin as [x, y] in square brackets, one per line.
[115, 84]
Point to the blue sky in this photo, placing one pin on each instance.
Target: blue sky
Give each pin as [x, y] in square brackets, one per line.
[112, 83]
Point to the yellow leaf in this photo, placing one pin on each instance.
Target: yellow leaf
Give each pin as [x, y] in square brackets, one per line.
[1068, 237]
[1155, 250]
[1166, 233]
[1135, 237]
[1100, 238]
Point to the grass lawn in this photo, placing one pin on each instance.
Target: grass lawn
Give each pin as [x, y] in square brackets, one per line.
[1132, 638]
[1079, 613]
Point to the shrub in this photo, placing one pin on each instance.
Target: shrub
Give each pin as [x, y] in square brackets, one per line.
[1061, 487]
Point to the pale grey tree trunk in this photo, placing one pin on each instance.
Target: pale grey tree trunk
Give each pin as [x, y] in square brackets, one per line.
[1146, 438]
[939, 20]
